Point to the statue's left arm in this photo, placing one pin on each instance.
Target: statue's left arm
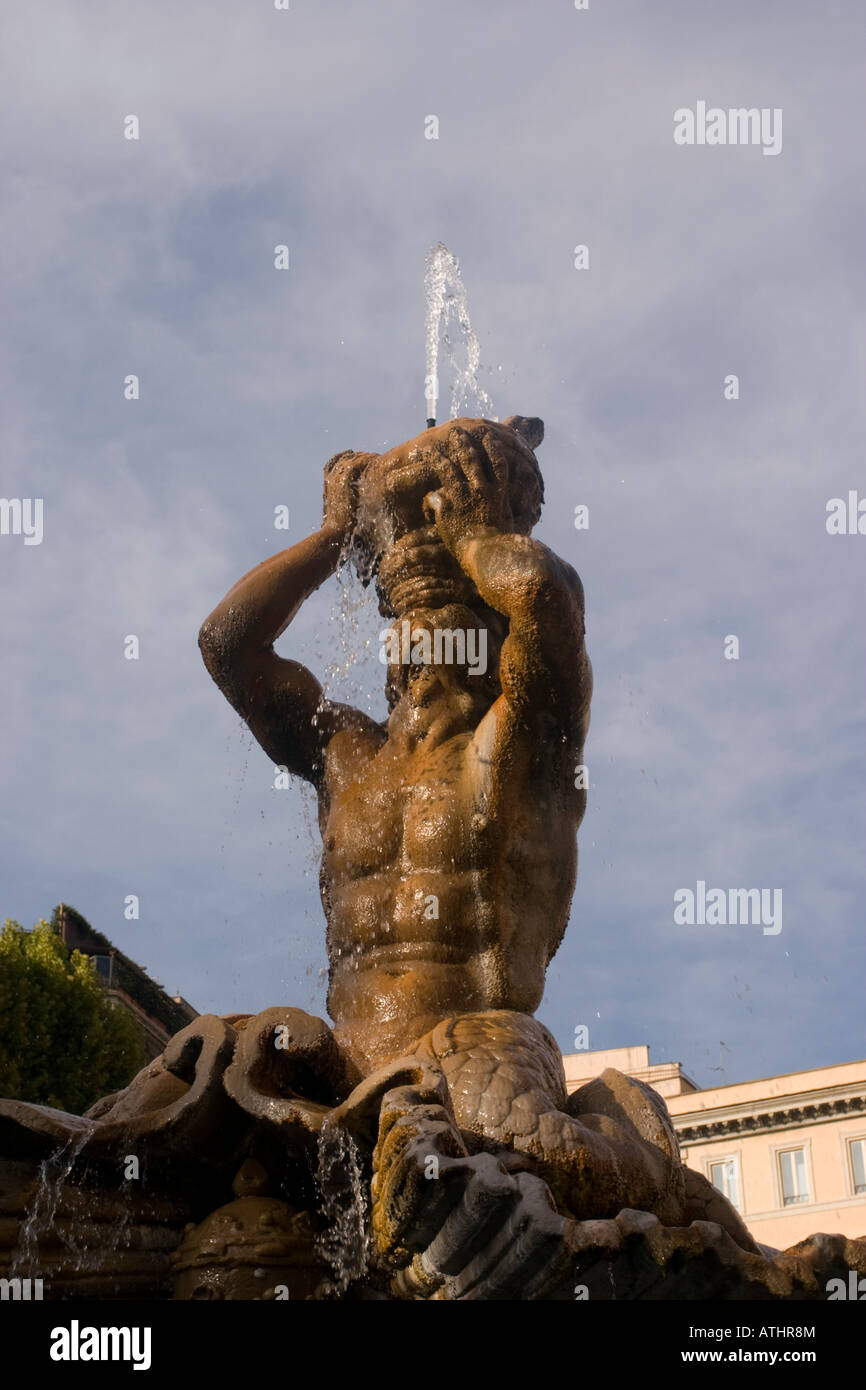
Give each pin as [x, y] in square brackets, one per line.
[545, 672]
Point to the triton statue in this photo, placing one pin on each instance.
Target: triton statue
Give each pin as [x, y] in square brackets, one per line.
[450, 855]
[424, 1146]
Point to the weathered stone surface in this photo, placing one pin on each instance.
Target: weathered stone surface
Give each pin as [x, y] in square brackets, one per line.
[287, 1070]
[35, 1131]
[179, 1096]
[635, 1257]
[252, 1248]
[102, 1241]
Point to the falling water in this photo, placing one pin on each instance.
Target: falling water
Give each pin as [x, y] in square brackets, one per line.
[343, 1244]
[445, 295]
[53, 1172]
[350, 659]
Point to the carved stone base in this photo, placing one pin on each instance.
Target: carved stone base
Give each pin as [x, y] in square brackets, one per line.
[200, 1181]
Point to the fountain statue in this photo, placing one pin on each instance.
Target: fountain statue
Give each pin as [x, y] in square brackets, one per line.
[424, 1145]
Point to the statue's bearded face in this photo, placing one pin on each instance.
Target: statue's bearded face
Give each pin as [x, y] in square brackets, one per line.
[396, 539]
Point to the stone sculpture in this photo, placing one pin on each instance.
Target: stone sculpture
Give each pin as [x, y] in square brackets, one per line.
[449, 864]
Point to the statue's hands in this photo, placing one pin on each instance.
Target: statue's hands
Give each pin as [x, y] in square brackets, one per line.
[457, 1226]
[341, 494]
[473, 494]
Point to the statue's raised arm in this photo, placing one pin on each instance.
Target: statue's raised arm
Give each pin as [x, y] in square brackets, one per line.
[280, 700]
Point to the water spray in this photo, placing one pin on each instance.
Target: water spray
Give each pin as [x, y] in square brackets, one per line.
[445, 296]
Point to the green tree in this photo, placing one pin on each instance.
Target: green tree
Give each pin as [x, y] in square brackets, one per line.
[63, 1042]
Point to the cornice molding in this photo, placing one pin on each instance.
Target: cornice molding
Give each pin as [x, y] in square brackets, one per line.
[770, 1116]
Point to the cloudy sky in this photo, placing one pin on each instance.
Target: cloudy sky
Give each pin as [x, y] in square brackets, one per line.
[707, 515]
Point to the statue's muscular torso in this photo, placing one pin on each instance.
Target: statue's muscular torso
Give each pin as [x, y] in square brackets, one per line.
[442, 894]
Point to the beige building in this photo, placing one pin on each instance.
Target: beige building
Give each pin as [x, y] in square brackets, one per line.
[788, 1151]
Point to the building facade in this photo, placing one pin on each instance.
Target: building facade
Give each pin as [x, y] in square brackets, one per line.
[158, 1015]
[788, 1151]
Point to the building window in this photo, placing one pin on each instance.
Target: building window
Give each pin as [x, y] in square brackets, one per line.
[795, 1184]
[102, 966]
[857, 1155]
[725, 1175]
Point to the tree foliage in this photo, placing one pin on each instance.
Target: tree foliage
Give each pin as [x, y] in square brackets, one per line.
[63, 1042]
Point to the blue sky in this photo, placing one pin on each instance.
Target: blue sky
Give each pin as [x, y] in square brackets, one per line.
[707, 516]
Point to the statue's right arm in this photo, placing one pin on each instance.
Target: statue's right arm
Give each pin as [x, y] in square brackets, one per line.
[279, 699]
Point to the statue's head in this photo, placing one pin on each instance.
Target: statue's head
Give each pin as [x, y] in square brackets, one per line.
[396, 540]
